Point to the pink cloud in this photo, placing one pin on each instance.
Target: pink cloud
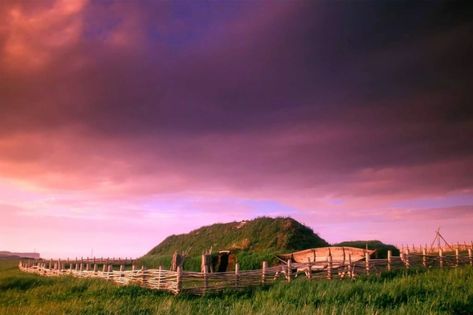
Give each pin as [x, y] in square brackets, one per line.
[118, 120]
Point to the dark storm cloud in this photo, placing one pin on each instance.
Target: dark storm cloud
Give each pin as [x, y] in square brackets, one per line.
[345, 86]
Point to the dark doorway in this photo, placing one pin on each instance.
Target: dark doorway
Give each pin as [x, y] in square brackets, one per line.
[222, 263]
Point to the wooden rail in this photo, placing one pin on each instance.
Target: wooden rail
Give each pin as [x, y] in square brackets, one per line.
[201, 283]
[435, 249]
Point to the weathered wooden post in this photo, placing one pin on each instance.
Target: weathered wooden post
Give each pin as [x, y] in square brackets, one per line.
[160, 275]
[440, 257]
[133, 267]
[289, 270]
[351, 267]
[309, 267]
[206, 280]
[457, 257]
[329, 266]
[424, 258]
[50, 264]
[95, 268]
[110, 271]
[204, 269]
[367, 263]
[237, 275]
[470, 256]
[143, 276]
[104, 267]
[406, 260]
[263, 272]
[389, 260]
[179, 280]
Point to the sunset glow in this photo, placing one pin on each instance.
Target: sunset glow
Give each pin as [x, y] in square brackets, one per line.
[124, 122]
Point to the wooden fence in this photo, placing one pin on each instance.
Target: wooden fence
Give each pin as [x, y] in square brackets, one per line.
[201, 283]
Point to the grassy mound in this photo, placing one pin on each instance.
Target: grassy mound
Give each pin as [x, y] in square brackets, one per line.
[381, 248]
[252, 241]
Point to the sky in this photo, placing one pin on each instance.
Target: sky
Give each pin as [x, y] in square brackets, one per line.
[123, 122]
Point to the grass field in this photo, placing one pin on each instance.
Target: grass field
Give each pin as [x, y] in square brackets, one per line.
[431, 292]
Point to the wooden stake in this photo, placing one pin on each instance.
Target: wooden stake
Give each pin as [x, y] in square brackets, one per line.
[237, 275]
[329, 266]
[309, 267]
[470, 256]
[389, 260]
[143, 276]
[206, 281]
[160, 275]
[203, 263]
[457, 257]
[440, 258]
[263, 272]
[424, 257]
[179, 279]
[367, 263]
[350, 267]
[289, 270]
[407, 259]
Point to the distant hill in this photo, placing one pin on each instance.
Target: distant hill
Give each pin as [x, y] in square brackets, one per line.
[381, 248]
[7, 254]
[251, 241]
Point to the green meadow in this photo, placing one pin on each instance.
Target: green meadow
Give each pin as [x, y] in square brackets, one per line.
[417, 292]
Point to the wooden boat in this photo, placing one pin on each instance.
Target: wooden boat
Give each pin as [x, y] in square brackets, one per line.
[338, 253]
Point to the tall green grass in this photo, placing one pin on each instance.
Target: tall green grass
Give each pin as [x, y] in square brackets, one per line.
[416, 292]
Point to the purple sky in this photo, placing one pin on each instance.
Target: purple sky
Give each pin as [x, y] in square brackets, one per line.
[122, 122]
